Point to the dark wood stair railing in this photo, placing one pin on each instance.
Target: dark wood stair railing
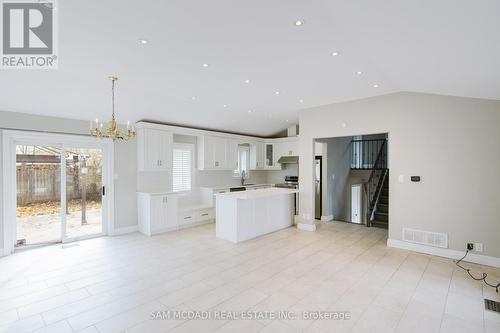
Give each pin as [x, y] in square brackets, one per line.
[376, 182]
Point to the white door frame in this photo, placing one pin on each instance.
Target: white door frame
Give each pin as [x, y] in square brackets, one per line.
[11, 138]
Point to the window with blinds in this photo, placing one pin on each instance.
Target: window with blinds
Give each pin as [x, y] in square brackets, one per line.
[182, 169]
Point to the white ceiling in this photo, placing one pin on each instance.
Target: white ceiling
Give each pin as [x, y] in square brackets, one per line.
[445, 47]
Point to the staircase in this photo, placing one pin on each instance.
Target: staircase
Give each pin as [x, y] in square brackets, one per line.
[372, 155]
[381, 213]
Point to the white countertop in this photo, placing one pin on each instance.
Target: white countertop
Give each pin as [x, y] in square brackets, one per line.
[157, 192]
[229, 186]
[267, 192]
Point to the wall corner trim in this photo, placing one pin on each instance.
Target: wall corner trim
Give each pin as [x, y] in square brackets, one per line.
[306, 226]
[326, 218]
[447, 253]
[124, 230]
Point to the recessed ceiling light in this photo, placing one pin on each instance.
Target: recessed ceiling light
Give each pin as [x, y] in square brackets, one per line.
[277, 92]
[359, 72]
[143, 41]
[335, 53]
[299, 23]
[250, 111]
[224, 106]
[286, 120]
[247, 81]
[193, 98]
[375, 86]
[301, 101]
[205, 65]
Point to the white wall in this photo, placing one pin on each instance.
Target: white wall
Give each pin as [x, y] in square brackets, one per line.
[125, 160]
[451, 142]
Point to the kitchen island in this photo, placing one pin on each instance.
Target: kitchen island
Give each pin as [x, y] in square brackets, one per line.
[248, 214]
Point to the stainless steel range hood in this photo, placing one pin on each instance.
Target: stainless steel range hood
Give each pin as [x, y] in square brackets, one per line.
[288, 160]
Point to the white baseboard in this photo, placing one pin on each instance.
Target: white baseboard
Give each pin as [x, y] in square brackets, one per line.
[307, 226]
[326, 218]
[124, 230]
[447, 253]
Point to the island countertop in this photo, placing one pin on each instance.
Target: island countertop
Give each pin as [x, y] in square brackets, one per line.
[254, 194]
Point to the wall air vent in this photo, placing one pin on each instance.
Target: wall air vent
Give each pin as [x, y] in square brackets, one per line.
[425, 237]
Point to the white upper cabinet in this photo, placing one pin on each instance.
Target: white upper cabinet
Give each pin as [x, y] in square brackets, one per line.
[213, 153]
[276, 148]
[292, 148]
[270, 156]
[154, 149]
[257, 155]
[232, 154]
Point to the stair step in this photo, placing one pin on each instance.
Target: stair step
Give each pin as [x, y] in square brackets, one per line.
[381, 216]
[383, 208]
[380, 224]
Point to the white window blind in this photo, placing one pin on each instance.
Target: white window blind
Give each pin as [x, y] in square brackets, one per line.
[182, 169]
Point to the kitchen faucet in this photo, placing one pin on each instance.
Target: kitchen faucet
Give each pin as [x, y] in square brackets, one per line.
[243, 174]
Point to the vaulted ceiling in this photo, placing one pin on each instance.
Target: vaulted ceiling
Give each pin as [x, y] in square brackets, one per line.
[444, 47]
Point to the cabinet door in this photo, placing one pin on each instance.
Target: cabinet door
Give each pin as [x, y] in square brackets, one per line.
[269, 155]
[165, 141]
[257, 156]
[293, 148]
[208, 151]
[157, 212]
[220, 153]
[232, 154]
[171, 206]
[280, 149]
[151, 150]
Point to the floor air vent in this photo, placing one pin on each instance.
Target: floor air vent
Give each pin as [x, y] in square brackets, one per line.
[491, 305]
[425, 237]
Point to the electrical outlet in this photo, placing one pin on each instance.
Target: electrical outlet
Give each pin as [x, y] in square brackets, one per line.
[470, 246]
[478, 247]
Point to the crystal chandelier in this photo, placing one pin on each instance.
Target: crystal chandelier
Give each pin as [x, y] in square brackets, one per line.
[112, 131]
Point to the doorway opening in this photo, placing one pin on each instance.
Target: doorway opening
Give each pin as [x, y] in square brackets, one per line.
[356, 179]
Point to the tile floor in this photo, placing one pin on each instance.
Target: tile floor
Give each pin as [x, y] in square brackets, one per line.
[113, 284]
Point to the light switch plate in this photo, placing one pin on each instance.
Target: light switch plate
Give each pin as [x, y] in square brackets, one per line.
[401, 178]
[478, 247]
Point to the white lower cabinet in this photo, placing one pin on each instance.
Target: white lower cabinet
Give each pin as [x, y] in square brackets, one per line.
[195, 215]
[157, 213]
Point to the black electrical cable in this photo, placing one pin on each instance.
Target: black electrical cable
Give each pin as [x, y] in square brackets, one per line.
[484, 276]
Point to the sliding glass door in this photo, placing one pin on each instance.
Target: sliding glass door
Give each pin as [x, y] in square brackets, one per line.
[38, 183]
[60, 194]
[84, 191]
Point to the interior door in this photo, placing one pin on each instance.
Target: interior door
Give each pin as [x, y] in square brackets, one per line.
[356, 204]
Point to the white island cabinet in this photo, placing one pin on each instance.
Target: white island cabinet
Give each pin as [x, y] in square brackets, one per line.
[249, 214]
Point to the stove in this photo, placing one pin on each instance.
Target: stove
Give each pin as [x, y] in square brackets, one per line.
[290, 182]
[293, 183]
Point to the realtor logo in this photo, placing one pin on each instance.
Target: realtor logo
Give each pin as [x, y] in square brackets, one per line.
[29, 34]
